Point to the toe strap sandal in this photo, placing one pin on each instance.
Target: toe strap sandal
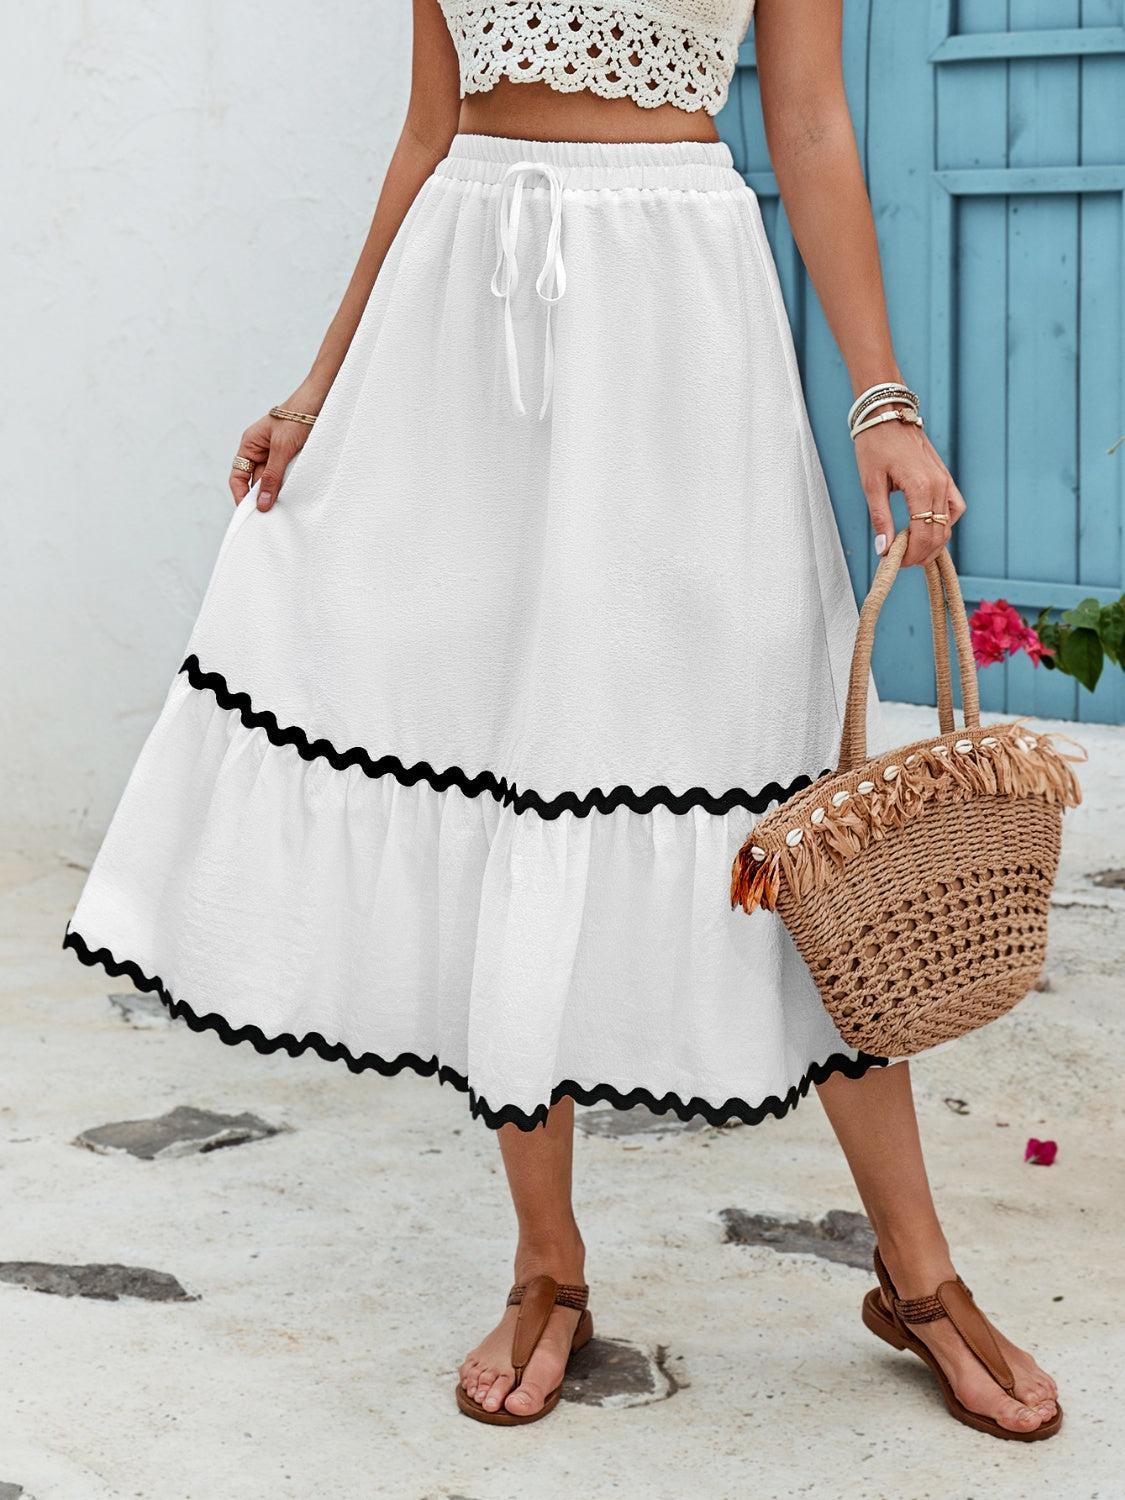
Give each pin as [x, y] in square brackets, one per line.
[891, 1318]
[536, 1300]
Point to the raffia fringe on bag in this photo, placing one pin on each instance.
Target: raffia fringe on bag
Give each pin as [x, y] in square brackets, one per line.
[916, 885]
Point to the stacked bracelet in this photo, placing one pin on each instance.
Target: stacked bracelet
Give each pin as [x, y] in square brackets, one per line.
[284, 414]
[865, 410]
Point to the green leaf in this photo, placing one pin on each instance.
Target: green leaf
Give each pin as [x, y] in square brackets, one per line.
[1084, 616]
[1081, 656]
[1112, 631]
[1050, 632]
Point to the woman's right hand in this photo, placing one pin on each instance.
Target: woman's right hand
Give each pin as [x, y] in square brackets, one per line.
[271, 444]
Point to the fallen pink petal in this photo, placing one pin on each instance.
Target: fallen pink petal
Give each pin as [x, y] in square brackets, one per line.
[1040, 1153]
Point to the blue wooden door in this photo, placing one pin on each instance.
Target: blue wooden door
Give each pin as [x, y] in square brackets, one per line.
[993, 137]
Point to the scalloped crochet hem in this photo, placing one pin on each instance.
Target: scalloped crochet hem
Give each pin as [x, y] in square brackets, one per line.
[651, 53]
[774, 1107]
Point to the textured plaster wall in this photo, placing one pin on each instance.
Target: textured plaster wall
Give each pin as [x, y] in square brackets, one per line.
[184, 187]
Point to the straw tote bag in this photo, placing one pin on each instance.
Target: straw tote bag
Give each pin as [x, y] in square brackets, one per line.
[916, 885]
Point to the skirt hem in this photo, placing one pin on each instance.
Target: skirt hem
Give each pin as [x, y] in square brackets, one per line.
[731, 1110]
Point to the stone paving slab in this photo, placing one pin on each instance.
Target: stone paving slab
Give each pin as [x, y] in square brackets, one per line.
[615, 1373]
[141, 1010]
[840, 1236]
[104, 1283]
[183, 1131]
[619, 1124]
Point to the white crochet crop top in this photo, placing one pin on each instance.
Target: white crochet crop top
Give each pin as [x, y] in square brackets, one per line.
[679, 52]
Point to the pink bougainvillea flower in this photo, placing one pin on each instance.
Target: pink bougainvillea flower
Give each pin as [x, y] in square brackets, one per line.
[999, 631]
[1035, 647]
[1040, 1153]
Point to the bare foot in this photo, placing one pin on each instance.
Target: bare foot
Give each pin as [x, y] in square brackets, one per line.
[974, 1387]
[487, 1375]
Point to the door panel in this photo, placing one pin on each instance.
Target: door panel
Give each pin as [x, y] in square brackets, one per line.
[994, 145]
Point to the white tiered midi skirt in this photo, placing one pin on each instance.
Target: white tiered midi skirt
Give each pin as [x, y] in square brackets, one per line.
[472, 723]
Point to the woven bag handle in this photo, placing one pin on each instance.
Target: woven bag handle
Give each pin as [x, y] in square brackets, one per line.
[945, 597]
[943, 676]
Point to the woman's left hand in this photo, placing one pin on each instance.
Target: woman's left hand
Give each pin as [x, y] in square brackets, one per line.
[899, 456]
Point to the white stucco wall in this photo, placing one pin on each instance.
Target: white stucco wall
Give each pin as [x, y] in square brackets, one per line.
[184, 187]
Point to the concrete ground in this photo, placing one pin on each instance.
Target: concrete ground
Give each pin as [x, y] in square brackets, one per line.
[326, 1279]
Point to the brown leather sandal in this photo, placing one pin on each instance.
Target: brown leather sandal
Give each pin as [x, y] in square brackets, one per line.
[536, 1301]
[954, 1301]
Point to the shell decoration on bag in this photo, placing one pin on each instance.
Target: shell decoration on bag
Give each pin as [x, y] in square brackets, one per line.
[802, 845]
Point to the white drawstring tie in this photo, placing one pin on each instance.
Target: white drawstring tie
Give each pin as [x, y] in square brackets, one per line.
[550, 284]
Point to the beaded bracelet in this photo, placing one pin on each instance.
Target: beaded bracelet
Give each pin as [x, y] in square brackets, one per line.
[886, 390]
[888, 393]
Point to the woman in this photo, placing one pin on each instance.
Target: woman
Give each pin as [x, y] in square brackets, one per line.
[539, 602]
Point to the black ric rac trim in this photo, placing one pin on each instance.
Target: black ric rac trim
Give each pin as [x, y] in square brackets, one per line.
[485, 782]
[601, 1093]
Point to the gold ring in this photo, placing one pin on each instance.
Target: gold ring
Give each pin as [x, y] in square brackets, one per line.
[242, 465]
[931, 517]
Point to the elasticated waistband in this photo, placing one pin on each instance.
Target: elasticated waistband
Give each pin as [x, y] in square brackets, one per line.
[685, 165]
